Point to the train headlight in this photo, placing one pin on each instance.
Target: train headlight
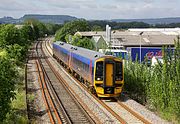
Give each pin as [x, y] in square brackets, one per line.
[118, 78]
[98, 79]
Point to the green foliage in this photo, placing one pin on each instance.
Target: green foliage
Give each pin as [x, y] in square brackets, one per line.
[120, 25]
[14, 44]
[69, 38]
[85, 43]
[71, 28]
[96, 28]
[18, 113]
[27, 34]
[17, 52]
[52, 28]
[8, 75]
[38, 27]
[157, 86]
[171, 25]
[9, 35]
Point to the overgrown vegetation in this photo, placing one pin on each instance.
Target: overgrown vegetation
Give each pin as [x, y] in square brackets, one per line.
[66, 34]
[14, 44]
[18, 113]
[157, 86]
[70, 28]
[8, 75]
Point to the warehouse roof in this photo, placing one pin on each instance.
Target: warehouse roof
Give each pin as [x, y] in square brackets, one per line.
[150, 37]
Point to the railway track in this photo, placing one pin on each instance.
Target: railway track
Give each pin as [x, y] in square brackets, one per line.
[66, 108]
[134, 116]
[132, 112]
[52, 112]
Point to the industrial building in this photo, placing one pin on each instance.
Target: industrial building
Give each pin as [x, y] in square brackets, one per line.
[134, 37]
[138, 43]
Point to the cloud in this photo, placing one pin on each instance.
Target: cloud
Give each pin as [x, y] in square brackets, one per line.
[92, 9]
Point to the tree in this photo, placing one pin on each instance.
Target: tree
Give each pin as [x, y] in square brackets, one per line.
[71, 28]
[27, 33]
[8, 75]
[17, 52]
[38, 27]
[52, 28]
[97, 28]
[42, 29]
[85, 43]
[9, 35]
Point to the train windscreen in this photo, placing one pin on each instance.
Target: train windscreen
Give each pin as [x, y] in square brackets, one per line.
[119, 71]
[99, 71]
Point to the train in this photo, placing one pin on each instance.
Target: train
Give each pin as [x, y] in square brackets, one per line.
[102, 74]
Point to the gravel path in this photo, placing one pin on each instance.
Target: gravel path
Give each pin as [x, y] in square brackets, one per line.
[130, 119]
[37, 112]
[142, 110]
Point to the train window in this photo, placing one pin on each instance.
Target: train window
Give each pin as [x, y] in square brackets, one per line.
[99, 71]
[119, 71]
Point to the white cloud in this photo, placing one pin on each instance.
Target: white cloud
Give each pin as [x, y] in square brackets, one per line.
[92, 9]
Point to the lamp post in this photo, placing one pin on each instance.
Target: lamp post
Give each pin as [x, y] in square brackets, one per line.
[140, 44]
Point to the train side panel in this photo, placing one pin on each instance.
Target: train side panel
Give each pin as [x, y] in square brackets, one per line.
[82, 66]
[61, 53]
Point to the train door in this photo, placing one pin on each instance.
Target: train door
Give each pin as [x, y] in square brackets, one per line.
[109, 74]
[109, 78]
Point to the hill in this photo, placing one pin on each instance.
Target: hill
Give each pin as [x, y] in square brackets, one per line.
[56, 19]
[151, 21]
[60, 19]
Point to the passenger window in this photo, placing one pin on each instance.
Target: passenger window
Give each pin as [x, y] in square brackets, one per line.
[99, 71]
[119, 71]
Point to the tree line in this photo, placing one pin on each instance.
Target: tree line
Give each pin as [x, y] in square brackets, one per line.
[66, 33]
[14, 44]
[125, 25]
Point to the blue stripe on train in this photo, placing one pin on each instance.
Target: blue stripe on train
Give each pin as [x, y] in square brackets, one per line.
[81, 58]
[60, 49]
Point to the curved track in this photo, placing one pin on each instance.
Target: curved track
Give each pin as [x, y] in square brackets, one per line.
[65, 108]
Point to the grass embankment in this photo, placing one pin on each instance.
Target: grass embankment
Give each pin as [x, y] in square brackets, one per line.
[18, 114]
[157, 87]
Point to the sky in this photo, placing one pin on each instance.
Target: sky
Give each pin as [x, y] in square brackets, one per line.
[93, 9]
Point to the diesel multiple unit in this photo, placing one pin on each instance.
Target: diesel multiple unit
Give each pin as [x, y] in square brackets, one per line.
[102, 74]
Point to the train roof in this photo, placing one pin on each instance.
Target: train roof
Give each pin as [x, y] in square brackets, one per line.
[90, 54]
[64, 45]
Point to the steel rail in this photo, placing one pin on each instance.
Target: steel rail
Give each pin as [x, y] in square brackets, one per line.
[46, 89]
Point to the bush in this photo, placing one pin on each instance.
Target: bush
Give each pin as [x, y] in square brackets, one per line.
[8, 75]
[157, 86]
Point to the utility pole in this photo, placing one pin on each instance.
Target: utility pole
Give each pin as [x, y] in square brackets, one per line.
[140, 44]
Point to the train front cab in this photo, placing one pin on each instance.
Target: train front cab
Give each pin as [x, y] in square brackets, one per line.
[108, 77]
